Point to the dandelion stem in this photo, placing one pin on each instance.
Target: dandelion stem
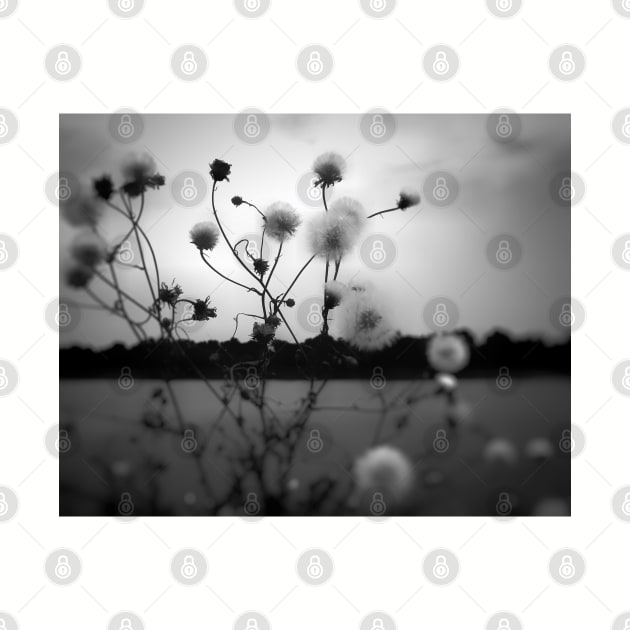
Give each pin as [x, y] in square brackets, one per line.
[251, 205]
[114, 285]
[299, 273]
[226, 239]
[324, 197]
[275, 264]
[227, 277]
[375, 214]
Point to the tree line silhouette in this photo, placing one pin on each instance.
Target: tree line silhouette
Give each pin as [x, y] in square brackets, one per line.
[319, 357]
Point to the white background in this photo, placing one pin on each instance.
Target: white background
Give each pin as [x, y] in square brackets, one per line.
[251, 62]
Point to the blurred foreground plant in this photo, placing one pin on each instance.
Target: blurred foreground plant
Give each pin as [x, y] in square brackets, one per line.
[265, 441]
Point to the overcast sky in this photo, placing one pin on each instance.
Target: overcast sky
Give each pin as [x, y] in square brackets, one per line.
[441, 251]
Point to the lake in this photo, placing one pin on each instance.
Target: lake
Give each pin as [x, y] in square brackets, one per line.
[504, 443]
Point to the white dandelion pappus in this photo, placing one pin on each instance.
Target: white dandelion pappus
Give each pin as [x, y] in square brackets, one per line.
[333, 234]
[329, 167]
[448, 353]
[364, 321]
[204, 235]
[88, 248]
[281, 221]
[384, 468]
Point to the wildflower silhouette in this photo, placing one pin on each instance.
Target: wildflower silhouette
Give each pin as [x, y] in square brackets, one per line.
[162, 311]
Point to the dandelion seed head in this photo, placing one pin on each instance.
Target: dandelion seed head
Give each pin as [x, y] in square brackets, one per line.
[78, 275]
[329, 167]
[88, 248]
[204, 235]
[448, 353]
[384, 468]
[407, 199]
[138, 168]
[220, 170]
[281, 221]
[333, 234]
[364, 321]
[82, 211]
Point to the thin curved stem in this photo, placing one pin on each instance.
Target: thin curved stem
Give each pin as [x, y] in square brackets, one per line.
[251, 205]
[376, 214]
[275, 264]
[227, 277]
[122, 293]
[324, 197]
[299, 273]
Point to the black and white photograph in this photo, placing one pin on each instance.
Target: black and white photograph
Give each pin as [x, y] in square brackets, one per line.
[315, 315]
